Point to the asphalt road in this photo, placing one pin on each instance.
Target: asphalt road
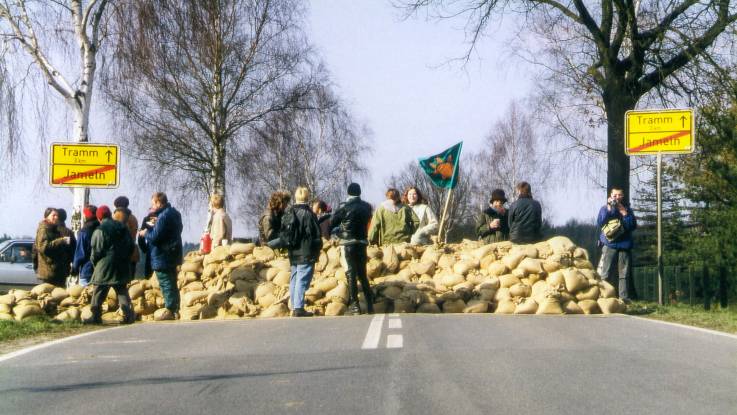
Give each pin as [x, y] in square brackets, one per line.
[388, 364]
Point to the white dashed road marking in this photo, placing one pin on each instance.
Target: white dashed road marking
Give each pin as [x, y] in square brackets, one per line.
[394, 341]
[373, 335]
[395, 323]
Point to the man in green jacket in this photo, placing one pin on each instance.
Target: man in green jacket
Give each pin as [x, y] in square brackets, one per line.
[492, 226]
[111, 250]
[393, 222]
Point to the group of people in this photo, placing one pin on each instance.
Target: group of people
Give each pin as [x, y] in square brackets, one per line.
[105, 253]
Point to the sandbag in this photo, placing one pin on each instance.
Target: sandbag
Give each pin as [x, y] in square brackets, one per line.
[428, 308]
[477, 306]
[561, 245]
[335, 309]
[390, 259]
[454, 306]
[526, 306]
[531, 266]
[574, 280]
[44, 288]
[241, 248]
[508, 280]
[571, 307]
[589, 307]
[505, 307]
[419, 268]
[8, 299]
[25, 311]
[611, 305]
[497, 269]
[520, 290]
[591, 293]
[549, 306]
[402, 305]
[607, 290]
[450, 280]
[512, 259]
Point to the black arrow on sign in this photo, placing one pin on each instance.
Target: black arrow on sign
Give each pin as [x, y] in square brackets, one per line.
[683, 121]
[109, 153]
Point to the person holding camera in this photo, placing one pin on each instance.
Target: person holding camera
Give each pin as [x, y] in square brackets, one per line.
[617, 221]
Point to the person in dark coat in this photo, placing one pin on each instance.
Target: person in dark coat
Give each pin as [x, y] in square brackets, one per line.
[148, 224]
[71, 248]
[82, 266]
[525, 217]
[351, 224]
[269, 223]
[165, 247]
[492, 224]
[111, 250]
[125, 216]
[322, 211]
[300, 235]
[619, 248]
[50, 250]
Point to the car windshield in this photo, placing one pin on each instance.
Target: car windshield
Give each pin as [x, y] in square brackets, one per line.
[4, 245]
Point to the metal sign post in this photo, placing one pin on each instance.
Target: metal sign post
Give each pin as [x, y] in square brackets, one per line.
[658, 132]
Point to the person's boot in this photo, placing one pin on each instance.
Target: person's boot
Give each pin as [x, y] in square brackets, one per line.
[96, 317]
[354, 308]
[129, 316]
[301, 312]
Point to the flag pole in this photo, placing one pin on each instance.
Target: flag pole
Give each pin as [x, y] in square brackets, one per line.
[445, 212]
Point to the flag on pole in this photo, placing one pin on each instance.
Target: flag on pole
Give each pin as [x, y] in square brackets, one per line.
[443, 168]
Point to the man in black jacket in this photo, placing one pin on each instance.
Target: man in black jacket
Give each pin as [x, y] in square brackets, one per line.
[300, 234]
[525, 217]
[351, 223]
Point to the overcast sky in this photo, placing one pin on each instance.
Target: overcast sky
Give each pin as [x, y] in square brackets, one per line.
[394, 75]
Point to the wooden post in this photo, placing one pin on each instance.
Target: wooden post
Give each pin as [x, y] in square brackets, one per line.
[443, 216]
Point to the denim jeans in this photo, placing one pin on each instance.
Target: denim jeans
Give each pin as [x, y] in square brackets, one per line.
[299, 282]
[623, 258]
[168, 283]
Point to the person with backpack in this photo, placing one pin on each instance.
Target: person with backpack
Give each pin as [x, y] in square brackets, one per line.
[124, 215]
[300, 235]
[111, 248]
[525, 217]
[82, 266]
[617, 221]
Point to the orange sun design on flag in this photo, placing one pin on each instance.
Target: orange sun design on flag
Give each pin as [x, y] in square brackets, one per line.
[442, 168]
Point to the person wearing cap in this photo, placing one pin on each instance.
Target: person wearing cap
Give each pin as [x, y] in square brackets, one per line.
[82, 266]
[525, 217]
[124, 215]
[300, 235]
[492, 225]
[428, 221]
[50, 250]
[164, 242]
[111, 248]
[350, 223]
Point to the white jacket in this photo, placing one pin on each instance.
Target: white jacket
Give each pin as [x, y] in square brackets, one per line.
[428, 224]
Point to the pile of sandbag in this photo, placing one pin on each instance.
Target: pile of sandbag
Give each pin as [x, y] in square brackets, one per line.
[243, 281]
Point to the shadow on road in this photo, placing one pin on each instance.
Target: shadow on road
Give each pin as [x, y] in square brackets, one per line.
[174, 379]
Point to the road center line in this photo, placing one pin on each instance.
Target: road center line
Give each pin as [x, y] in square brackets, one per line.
[395, 323]
[373, 335]
[394, 341]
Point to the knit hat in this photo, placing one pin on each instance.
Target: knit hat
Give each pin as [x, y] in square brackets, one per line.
[103, 212]
[89, 212]
[354, 189]
[121, 201]
[498, 194]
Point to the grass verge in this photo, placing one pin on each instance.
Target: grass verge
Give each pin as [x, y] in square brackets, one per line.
[18, 334]
[721, 319]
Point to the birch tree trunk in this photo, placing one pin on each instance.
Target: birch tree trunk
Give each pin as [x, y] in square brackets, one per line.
[18, 25]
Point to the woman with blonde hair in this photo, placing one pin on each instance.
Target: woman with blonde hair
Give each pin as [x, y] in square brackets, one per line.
[393, 222]
[428, 221]
[220, 226]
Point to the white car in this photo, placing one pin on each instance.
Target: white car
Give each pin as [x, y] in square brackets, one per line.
[16, 264]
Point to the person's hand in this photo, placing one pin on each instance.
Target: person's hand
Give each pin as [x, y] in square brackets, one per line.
[68, 240]
[142, 233]
[494, 224]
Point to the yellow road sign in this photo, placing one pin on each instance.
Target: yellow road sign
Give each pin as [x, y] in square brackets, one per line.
[659, 132]
[84, 165]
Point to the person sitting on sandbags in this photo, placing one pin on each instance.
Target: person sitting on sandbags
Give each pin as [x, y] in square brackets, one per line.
[492, 225]
[428, 222]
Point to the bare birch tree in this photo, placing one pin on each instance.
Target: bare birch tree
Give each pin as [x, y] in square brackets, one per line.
[192, 79]
[323, 148]
[30, 32]
[615, 52]
[514, 151]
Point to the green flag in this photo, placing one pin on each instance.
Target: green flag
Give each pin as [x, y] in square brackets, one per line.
[443, 168]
